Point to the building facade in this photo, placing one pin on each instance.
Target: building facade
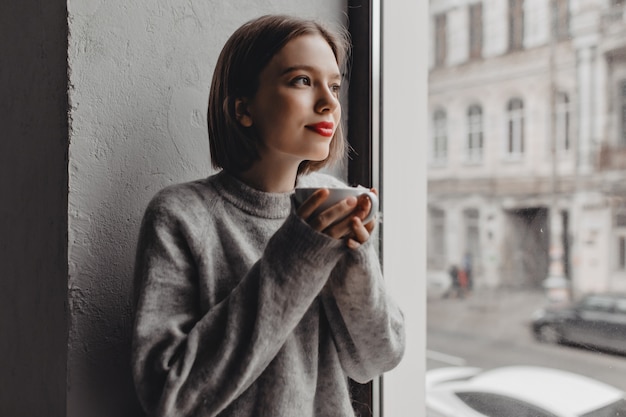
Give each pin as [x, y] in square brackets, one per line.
[527, 142]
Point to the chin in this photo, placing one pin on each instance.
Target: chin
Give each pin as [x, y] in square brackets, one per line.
[319, 155]
[318, 158]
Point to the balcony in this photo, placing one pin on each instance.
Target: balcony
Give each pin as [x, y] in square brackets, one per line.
[613, 21]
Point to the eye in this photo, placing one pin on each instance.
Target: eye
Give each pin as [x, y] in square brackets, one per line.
[301, 80]
[335, 88]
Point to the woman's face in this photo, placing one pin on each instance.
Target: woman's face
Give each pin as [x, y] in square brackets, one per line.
[296, 109]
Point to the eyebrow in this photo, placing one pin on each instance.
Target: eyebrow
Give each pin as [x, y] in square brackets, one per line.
[308, 68]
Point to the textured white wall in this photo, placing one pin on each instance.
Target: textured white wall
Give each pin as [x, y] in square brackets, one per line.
[139, 75]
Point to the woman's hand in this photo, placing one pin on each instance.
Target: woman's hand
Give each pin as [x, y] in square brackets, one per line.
[340, 221]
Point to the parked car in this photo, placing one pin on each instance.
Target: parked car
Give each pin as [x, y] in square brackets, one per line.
[519, 391]
[597, 320]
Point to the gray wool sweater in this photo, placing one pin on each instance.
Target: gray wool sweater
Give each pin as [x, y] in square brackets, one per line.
[244, 310]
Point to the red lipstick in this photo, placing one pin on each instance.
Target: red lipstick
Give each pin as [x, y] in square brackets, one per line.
[323, 128]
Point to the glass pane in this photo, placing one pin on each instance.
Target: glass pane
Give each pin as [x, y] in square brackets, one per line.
[526, 227]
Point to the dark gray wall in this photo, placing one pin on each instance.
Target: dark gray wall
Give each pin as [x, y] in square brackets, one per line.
[33, 208]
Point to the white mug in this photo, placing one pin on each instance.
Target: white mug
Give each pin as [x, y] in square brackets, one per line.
[336, 195]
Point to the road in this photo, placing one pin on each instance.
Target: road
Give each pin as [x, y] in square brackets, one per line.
[492, 329]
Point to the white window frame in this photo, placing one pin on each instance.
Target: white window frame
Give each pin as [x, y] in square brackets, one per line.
[514, 146]
[439, 151]
[404, 160]
[475, 134]
[622, 111]
[435, 241]
[440, 24]
[563, 127]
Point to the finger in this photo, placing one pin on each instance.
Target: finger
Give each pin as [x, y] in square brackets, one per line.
[311, 204]
[371, 225]
[352, 244]
[359, 231]
[329, 221]
[340, 229]
[363, 207]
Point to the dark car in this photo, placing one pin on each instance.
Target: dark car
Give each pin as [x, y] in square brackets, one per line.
[597, 320]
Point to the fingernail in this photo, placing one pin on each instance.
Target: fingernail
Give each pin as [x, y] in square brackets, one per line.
[351, 201]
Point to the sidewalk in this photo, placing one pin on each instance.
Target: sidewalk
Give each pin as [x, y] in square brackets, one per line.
[500, 313]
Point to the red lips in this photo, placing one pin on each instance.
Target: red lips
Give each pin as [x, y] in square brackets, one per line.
[323, 128]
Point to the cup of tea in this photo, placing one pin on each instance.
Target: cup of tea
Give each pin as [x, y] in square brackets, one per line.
[336, 195]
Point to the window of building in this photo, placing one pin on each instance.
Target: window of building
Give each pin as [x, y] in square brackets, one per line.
[472, 253]
[440, 40]
[620, 231]
[515, 125]
[475, 30]
[435, 243]
[474, 133]
[440, 137]
[560, 19]
[622, 137]
[516, 24]
[621, 253]
[562, 122]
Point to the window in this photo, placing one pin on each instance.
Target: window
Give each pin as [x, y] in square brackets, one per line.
[436, 244]
[516, 24]
[560, 19]
[539, 237]
[620, 232]
[621, 253]
[474, 133]
[515, 127]
[440, 40]
[622, 107]
[471, 217]
[475, 30]
[496, 405]
[597, 303]
[440, 137]
[616, 12]
[562, 122]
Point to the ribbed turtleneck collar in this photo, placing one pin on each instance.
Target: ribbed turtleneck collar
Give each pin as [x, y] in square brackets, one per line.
[252, 201]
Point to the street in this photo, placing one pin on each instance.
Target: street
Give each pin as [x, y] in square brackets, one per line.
[491, 329]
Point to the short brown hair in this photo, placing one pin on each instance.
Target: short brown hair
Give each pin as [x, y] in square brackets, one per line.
[246, 53]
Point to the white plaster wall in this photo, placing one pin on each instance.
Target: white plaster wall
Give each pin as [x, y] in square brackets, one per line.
[139, 74]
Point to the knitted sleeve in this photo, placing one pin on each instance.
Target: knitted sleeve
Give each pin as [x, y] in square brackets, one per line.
[367, 325]
[188, 364]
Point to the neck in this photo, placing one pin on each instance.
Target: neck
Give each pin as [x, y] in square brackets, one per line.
[269, 177]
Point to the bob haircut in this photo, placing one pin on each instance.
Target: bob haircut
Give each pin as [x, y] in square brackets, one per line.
[247, 52]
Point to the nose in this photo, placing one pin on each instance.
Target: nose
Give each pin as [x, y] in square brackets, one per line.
[328, 101]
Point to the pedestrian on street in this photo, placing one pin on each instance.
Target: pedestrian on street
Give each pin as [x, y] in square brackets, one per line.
[455, 284]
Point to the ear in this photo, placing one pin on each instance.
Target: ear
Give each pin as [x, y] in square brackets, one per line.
[241, 112]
